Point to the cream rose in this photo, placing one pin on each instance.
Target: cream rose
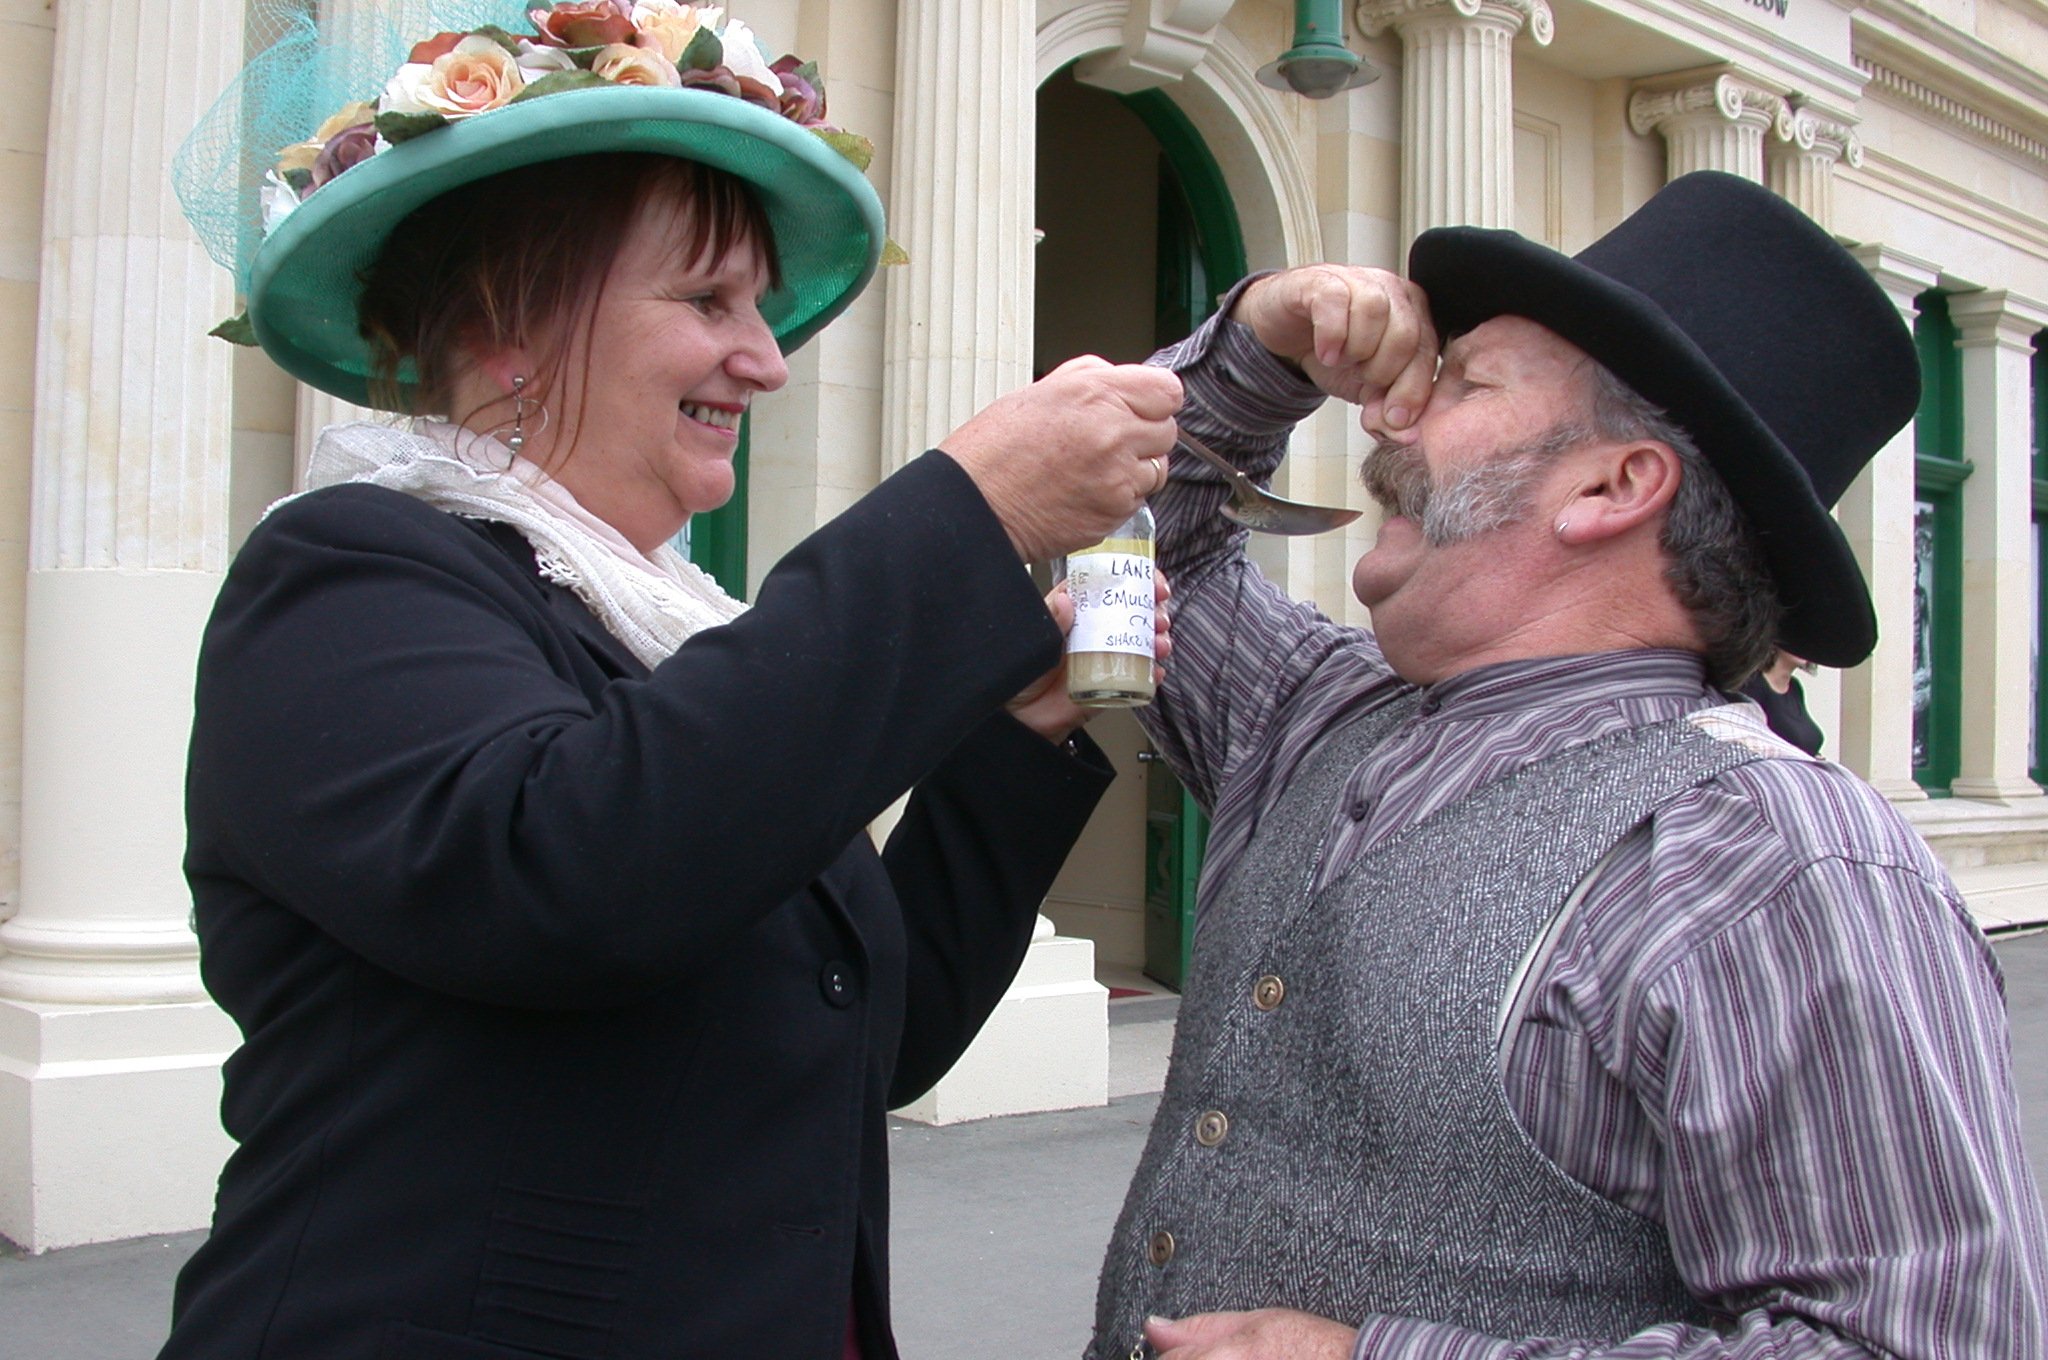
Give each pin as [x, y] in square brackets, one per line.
[623, 65]
[476, 77]
[668, 26]
[538, 61]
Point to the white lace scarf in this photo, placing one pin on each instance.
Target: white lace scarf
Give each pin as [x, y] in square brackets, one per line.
[649, 602]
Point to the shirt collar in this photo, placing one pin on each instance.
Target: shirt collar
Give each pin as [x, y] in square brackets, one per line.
[1593, 677]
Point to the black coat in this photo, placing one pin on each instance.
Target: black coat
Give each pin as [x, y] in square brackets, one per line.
[574, 997]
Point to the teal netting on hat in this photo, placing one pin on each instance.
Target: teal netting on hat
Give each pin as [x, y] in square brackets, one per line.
[311, 58]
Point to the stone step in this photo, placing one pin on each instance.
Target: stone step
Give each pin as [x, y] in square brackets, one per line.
[2005, 897]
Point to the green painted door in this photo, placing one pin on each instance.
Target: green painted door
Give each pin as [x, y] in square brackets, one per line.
[1201, 254]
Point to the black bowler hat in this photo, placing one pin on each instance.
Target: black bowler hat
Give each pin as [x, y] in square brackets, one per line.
[1760, 336]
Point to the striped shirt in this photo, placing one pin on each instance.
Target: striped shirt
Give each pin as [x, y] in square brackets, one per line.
[1768, 1022]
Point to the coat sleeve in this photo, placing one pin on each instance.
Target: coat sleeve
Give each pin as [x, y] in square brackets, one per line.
[972, 859]
[390, 740]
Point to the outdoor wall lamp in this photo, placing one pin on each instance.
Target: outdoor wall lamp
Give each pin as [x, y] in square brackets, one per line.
[1319, 64]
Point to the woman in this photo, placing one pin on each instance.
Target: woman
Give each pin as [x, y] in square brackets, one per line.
[1776, 690]
[532, 868]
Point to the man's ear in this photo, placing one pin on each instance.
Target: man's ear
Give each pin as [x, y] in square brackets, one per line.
[1620, 487]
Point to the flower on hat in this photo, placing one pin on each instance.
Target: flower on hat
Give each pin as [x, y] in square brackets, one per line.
[749, 65]
[474, 76]
[346, 149]
[803, 98]
[575, 44]
[669, 26]
[623, 65]
[583, 23]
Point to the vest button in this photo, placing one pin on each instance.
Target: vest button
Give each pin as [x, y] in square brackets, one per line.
[1268, 992]
[1212, 1128]
[1160, 1249]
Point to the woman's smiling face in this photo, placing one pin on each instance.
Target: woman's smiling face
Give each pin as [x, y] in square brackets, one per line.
[654, 385]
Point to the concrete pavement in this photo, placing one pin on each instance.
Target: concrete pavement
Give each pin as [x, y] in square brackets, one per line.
[999, 1225]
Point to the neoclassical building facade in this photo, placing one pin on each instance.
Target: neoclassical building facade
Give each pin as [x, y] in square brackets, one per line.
[1067, 176]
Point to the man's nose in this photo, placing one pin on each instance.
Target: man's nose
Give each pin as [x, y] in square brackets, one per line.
[1369, 420]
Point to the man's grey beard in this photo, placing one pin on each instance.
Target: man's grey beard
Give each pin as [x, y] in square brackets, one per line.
[1493, 494]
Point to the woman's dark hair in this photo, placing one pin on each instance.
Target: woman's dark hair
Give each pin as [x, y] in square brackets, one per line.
[521, 258]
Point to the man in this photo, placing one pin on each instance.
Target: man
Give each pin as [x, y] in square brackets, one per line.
[1543, 1003]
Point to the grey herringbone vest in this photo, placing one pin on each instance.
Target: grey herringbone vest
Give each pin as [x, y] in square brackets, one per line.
[1333, 1135]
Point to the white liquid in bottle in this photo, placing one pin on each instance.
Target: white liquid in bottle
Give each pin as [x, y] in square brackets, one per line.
[1109, 651]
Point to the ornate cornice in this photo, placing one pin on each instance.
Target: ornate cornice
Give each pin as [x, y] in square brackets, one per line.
[1910, 91]
[1734, 99]
[1376, 16]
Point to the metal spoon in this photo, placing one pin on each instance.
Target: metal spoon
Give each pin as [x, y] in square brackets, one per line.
[1260, 510]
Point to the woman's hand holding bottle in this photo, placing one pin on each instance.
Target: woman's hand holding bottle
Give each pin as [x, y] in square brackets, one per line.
[1069, 458]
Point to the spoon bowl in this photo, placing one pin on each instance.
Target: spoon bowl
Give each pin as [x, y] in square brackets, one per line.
[1260, 510]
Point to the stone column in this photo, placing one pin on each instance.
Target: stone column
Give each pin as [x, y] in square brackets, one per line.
[1800, 166]
[958, 335]
[1995, 332]
[959, 314]
[1457, 106]
[109, 1052]
[1709, 123]
[1876, 514]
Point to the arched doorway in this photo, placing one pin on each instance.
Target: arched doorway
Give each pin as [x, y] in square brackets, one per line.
[1140, 238]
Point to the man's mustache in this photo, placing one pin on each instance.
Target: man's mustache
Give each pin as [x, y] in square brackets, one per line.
[1397, 476]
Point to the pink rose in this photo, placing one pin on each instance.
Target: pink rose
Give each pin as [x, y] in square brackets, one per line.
[475, 76]
[584, 23]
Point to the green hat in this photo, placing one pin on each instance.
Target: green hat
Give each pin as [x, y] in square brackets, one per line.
[304, 278]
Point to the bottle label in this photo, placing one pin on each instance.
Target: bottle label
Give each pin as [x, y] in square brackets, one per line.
[1112, 603]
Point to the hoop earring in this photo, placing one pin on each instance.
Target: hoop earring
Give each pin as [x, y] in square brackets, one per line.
[522, 407]
[521, 404]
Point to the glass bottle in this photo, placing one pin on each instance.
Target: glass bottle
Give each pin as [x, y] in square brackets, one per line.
[1109, 650]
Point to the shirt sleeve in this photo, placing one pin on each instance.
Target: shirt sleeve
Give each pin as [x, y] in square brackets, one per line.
[1843, 1172]
[1242, 648]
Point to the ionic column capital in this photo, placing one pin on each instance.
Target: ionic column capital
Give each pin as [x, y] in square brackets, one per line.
[1808, 131]
[1726, 97]
[1376, 16]
[1709, 123]
[1800, 162]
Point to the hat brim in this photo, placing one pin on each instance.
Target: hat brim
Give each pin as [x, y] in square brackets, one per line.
[1472, 275]
[825, 216]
